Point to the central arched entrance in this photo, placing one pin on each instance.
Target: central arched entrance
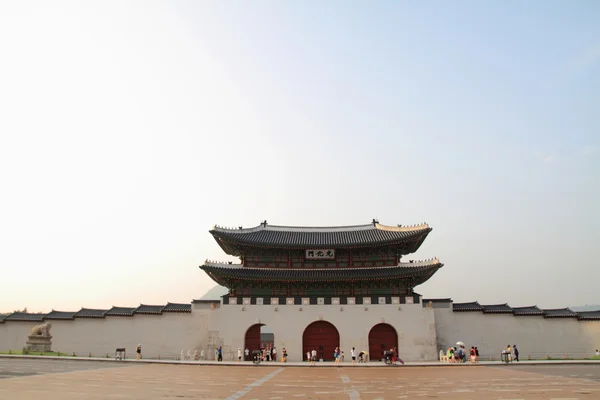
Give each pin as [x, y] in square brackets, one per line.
[321, 336]
[381, 337]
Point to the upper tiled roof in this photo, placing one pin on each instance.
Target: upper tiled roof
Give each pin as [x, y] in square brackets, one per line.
[90, 313]
[560, 313]
[497, 309]
[20, 316]
[177, 307]
[417, 272]
[588, 315]
[147, 309]
[291, 237]
[61, 315]
[473, 306]
[120, 311]
[529, 310]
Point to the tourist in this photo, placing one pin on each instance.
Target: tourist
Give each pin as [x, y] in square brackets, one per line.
[313, 357]
[353, 355]
[247, 354]
[476, 354]
[274, 351]
[220, 354]
[202, 354]
[508, 353]
[597, 352]
[239, 354]
[284, 355]
[472, 354]
[138, 350]
[335, 355]
[515, 352]
[450, 354]
[308, 356]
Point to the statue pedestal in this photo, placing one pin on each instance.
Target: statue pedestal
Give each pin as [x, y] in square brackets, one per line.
[39, 343]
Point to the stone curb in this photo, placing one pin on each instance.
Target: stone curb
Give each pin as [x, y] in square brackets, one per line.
[304, 365]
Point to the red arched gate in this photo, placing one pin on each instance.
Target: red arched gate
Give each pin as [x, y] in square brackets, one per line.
[381, 337]
[321, 336]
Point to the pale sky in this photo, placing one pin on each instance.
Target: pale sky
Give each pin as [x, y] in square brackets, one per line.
[128, 129]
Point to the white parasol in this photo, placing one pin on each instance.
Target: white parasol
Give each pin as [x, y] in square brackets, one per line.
[460, 344]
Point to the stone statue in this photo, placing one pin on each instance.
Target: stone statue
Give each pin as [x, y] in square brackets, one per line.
[40, 339]
[41, 330]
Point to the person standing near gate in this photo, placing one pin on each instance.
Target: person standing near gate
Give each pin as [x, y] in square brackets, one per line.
[138, 350]
[274, 352]
[220, 354]
[247, 354]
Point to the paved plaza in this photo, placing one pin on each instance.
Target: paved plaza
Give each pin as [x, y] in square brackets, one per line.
[66, 379]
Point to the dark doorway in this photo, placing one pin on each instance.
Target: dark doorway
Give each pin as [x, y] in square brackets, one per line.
[259, 337]
[321, 336]
[381, 337]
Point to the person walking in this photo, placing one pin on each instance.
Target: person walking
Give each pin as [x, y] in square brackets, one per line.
[138, 350]
[220, 354]
[313, 357]
[353, 355]
[274, 354]
[239, 354]
[516, 352]
[247, 354]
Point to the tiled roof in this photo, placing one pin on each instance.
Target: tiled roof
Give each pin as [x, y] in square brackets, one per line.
[120, 311]
[273, 236]
[177, 307]
[90, 313]
[147, 309]
[417, 272]
[560, 313]
[20, 316]
[61, 315]
[588, 315]
[530, 310]
[204, 301]
[497, 309]
[448, 300]
[473, 306]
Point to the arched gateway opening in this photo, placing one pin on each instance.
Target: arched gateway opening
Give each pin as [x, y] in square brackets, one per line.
[259, 337]
[321, 336]
[381, 337]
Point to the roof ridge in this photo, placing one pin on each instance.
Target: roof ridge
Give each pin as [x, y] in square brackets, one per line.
[372, 226]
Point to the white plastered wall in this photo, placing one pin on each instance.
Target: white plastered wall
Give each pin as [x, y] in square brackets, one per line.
[533, 335]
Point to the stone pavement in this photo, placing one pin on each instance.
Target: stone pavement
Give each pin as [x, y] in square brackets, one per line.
[26, 379]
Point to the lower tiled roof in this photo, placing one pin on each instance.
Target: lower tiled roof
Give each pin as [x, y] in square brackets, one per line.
[472, 306]
[588, 315]
[178, 307]
[529, 310]
[560, 313]
[90, 313]
[61, 315]
[416, 272]
[447, 300]
[497, 309]
[20, 316]
[120, 311]
[147, 309]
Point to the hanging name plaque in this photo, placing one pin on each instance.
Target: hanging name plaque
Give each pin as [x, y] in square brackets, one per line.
[320, 254]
